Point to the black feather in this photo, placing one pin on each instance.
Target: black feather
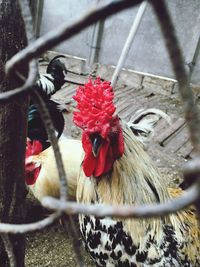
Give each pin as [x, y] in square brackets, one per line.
[36, 128]
[48, 84]
[57, 69]
[55, 76]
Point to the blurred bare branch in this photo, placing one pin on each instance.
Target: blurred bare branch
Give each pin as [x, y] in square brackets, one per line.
[26, 88]
[72, 231]
[143, 211]
[192, 113]
[9, 249]
[31, 227]
[40, 104]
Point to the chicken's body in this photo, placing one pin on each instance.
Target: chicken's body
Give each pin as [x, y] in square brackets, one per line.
[132, 179]
[47, 182]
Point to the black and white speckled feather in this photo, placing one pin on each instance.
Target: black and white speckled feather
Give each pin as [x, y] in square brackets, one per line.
[109, 244]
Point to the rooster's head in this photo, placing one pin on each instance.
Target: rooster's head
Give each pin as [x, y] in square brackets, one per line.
[32, 170]
[102, 137]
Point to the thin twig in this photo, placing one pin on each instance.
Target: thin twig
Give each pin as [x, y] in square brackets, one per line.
[8, 228]
[144, 211]
[44, 113]
[192, 167]
[9, 249]
[66, 31]
[46, 118]
[192, 114]
[25, 89]
[126, 211]
[70, 227]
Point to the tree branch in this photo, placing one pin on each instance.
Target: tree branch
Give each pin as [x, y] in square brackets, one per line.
[44, 113]
[25, 89]
[9, 249]
[125, 211]
[192, 114]
[9, 228]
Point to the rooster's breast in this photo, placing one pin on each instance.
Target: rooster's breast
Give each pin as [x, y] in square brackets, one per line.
[110, 245]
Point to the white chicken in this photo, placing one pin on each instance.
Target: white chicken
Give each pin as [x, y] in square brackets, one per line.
[41, 171]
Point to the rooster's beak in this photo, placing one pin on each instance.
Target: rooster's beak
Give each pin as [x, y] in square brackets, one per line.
[96, 145]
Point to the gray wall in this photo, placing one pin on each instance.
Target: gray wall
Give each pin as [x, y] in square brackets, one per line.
[148, 53]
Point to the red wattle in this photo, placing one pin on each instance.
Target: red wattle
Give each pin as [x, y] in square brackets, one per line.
[89, 164]
[31, 174]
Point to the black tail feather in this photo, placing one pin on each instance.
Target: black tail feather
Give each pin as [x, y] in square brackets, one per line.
[58, 71]
[36, 128]
[48, 84]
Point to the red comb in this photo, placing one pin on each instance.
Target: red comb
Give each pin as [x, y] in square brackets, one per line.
[33, 148]
[95, 105]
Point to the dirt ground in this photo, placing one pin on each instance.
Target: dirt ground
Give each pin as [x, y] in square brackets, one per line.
[52, 246]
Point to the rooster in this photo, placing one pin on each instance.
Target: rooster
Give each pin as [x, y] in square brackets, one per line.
[116, 170]
[40, 170]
